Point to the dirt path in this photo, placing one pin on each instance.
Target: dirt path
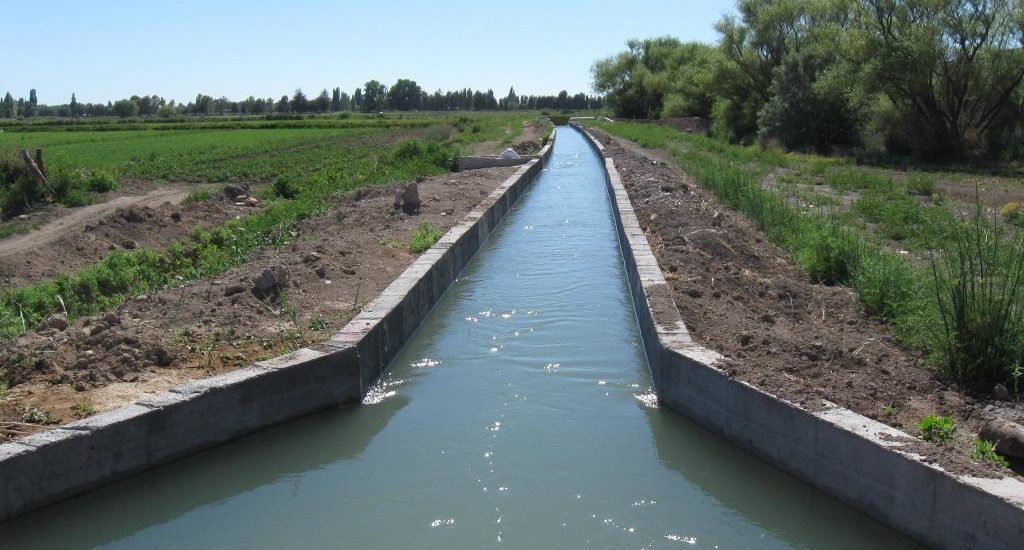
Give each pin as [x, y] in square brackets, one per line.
[77, 218]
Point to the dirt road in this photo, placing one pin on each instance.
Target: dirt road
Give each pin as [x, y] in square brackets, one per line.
[76, 218]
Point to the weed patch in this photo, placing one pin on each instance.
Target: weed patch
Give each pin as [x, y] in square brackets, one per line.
[986, 452]
[937, 429]
[424, 237]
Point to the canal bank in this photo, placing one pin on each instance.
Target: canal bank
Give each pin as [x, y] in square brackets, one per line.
[853, 458]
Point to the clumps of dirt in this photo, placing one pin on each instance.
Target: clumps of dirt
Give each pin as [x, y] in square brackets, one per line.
[527, 147]
[107, 352]
[745, 298]
[128, 228]
[280, 299]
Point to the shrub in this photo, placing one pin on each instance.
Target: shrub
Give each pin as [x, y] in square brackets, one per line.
[424, 237]
[978, 287]
[921, 184]
[197, 196]
[18, 189]
[886, 285]
[102, 182]
[986, 452]
[804, 112]
[286, 187]
[937, 429]
[429, 152]
[832, 254]
[1013, 213]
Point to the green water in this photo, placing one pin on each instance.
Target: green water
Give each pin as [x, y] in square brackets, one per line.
[520, 416]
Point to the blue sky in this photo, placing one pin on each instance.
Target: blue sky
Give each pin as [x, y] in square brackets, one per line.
[104, 49]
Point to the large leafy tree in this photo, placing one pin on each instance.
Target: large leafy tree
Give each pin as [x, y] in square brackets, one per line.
[757, 42]
[322, 103]
[808, 109]
[634, 81]
[950, 68]
[404, 95]
[125, 108]
[357, 99]
[299, 103]
[9, 107]
[374, 96]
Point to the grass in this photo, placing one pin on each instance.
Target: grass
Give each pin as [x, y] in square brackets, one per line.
[197, 196]
[937, 429]
[966, 311]
[980, 296]
[424, 237]
[84, 408]
[986, 452]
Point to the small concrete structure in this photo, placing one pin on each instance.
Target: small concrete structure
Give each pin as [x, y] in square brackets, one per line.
[43, 468]
[848, 456]
[475, 163]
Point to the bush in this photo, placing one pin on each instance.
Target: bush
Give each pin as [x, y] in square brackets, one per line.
[1013, 213]
[424, 237]
[986, 452]
[886, 285]
[429, 152]
[805, 114]
[286, 187]
[18, 189]
[102, 182]
[832, 254]
[921, 184]
[937, 429]
[979, 286]
[197, 196]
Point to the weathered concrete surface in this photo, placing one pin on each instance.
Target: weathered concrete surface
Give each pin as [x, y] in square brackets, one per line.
[852, 458]
[43, 468]
[474, 163]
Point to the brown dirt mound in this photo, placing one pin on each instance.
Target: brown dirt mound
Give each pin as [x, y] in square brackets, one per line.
[804, 342]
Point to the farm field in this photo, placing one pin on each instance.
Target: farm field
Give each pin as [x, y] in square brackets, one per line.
[137, 285]
[815, 275]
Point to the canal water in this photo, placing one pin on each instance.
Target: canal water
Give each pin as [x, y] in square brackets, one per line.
[520, 415]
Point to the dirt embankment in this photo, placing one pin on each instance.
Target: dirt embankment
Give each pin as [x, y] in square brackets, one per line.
[334, 264]
[746, 299]
[76, 237]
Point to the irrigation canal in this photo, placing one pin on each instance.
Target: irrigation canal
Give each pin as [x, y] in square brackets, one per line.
[519, 416]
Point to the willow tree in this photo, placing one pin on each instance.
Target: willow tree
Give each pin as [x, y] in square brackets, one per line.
[950, 68]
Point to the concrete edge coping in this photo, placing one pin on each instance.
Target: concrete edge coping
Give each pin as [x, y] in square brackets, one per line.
[30, 479]
[1006, 493]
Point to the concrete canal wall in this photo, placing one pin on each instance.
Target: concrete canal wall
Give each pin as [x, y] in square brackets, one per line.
[43, 468]
[837, 451]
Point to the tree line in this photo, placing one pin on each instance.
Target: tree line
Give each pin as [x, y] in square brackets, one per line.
[404, 95]
[934, 78]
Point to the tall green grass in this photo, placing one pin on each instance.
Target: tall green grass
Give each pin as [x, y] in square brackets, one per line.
[980, 295]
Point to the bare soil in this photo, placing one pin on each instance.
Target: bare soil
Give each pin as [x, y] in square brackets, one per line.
[76, 237]
[804, 342]
[334, 264]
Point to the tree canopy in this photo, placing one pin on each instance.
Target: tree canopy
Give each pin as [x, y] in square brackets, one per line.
[939, 78]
